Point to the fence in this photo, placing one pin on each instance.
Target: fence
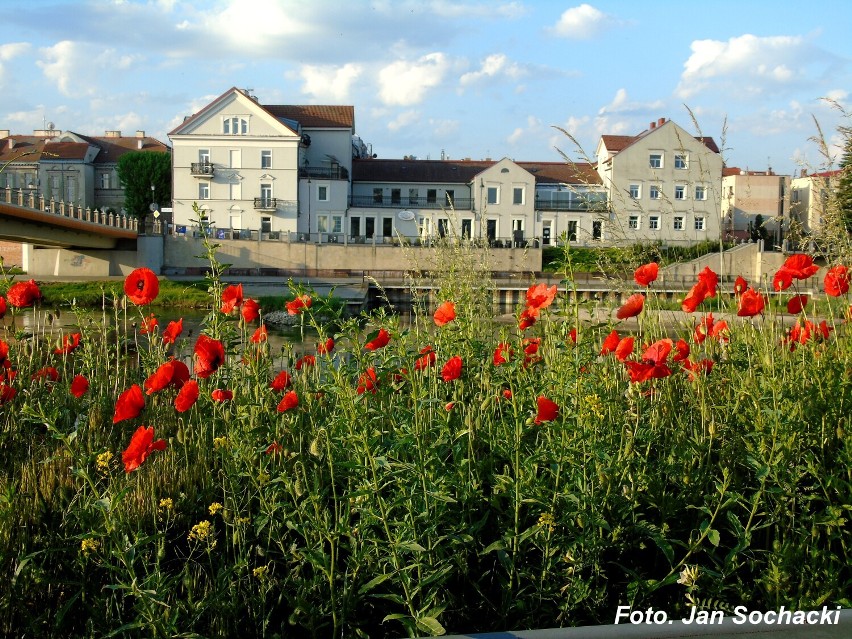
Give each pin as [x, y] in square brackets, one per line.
[67, 210]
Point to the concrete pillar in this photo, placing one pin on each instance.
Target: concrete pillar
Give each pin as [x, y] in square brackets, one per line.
[150, 251]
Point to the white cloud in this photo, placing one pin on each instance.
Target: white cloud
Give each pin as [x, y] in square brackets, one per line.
[10, 51]
[403, 120]
[329, 83]
[837, 95]
[59, 64]
[76, 68]
[751, 65]
[621, 104]
[405, 83]
[581, 23]
[453, 9]
[494, 66]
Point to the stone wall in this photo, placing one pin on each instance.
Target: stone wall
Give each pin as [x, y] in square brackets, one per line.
[12, 254]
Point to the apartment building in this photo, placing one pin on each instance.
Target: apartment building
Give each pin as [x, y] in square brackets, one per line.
[754, 203]
[274, 169]
[663, 185]
[809, 198]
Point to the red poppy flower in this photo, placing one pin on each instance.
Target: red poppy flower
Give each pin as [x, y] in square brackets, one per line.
[540, 297]
[379, 341]
[281, 382]
[507, 393]
[79, 386]
[305, 361]
[646, 273]
[800, 266]
[632, 307]
[142, 286]
[452, 369]
[527, 318]
[720, 331]
[547, 410]
[697, 294]
[658, 352]
[502, 354]
[232, 297]
[710, 280]
[23, 294]
[296, 306]
[289, 401]
[250, 310]
[427, 358]
[572, 335]
[444, 314]
[326, 347]
[220, 395]
[681, 351]
[260, 334]
[796, 303]
[449, 406]
[187, 396]
[130, 403]
[173, 331]
[209, 356]
[141, 445]
[740, 285]
[645, 371]
[149, 324]
[702, 330]
[751, 303]
[48, 372]
[69, 344]
[367, 382]
[2, 306]
[7, 393]
[782, 280]
[610, 343]
[4, 351]
[274, 449]
[624, 349]
[697, 368]
[836, 281]
[172, 373]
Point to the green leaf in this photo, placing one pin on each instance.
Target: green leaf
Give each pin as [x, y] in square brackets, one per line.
[713, 536]
[431, 625]
[497, 545]
[375, 581]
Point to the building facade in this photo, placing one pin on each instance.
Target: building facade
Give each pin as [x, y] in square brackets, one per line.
[755, 203]
[809, 199]
[663, 185]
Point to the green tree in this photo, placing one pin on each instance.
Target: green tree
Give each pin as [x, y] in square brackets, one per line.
[138, 171]
[843, 195]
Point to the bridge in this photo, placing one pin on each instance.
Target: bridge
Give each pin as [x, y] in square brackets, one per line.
[44, 222]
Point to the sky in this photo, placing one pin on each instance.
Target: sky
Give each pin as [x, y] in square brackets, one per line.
[463, 78]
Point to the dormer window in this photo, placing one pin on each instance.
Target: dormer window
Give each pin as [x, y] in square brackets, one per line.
[235, 126]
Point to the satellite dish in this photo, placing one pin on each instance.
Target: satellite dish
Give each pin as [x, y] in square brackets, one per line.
[50, 126]
[406, 215]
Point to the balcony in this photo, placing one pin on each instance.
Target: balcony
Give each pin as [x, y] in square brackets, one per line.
[570, 205]
[201, 169]
[266, 203]
[371, 201]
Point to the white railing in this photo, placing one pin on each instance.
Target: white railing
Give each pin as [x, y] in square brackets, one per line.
[30, 200]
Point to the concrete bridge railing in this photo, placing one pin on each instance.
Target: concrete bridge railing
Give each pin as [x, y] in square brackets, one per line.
[69, 210]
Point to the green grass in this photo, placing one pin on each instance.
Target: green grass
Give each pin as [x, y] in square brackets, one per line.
[608, 259]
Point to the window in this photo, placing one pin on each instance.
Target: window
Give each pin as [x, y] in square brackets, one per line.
[396, 196]
[322, 193]
[443, 226]
[467, 227]
[677, 225]
[431, 196]
[266, 159]
[104, 180]
[337, 224]
[204, 156]
[656, 161]
[654, 222]
[493, 195]
[387, 227]
[266, 194]
[681, 161]
[235, 126]
[450, 195]
[699, 223]
[633, 223]
[635, 191]
[680, 192]
[378, 196]
[322, 223]
[572, 231]
[236, 190]
[654, 192]
[518, 195]
[266, 225]
[700, 193]
[597, 230]
[203, 191]
[795, 195]
[413, 196]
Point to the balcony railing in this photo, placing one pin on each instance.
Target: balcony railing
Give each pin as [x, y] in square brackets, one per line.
[371, 201]
[328, 173]
[570, 205]
[201, 169]
[266, 203]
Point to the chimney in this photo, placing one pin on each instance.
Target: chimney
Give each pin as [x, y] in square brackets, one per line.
[653, 125]
[140, 134]
[140, 143]
[661, 122]
[4, 133]
[11, 144]
[112, 134]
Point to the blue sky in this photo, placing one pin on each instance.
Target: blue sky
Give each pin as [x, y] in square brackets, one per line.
[467, 77]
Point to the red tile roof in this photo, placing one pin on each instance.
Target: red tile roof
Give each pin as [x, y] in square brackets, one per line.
[616, 143]
[318, 116]
[112, 148]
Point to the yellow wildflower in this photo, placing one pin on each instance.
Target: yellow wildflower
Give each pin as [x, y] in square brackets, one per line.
[103, 462]
[261, 572]
[220, 442]
[88, 546]
[201, 531]
[215, 507]
[166, 504]
[546, 520]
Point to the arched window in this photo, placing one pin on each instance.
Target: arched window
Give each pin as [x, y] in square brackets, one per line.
[235, 126]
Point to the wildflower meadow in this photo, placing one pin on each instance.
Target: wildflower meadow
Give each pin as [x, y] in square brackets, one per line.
[449, 475]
